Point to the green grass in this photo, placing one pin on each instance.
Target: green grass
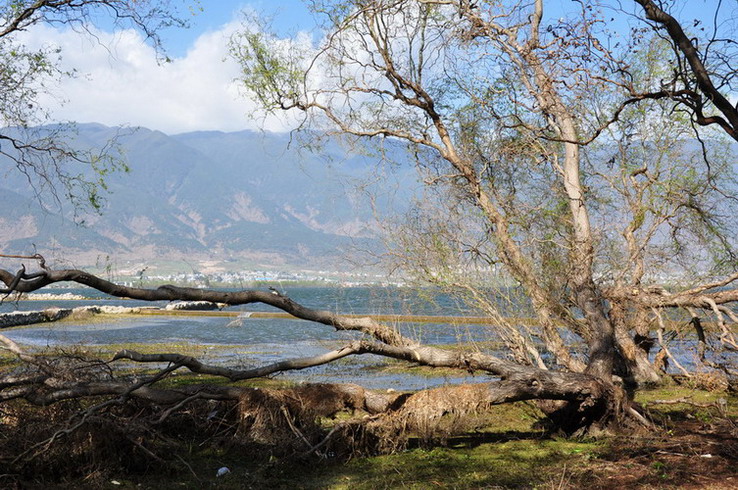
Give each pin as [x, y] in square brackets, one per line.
[699, 404]
[508, 450]
[463, 464]
[511, 463]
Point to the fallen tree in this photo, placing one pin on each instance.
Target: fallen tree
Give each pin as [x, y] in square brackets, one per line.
[289, 418]
[586, 401]
[591, 402]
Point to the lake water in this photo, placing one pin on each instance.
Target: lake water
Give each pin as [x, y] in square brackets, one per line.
[257, 341]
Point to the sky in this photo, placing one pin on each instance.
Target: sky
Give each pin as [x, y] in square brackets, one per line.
[119, 81]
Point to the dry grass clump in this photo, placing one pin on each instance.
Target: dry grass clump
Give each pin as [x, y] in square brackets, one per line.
[437, 414]
[430, 417]
[713, 381]
[294, 419]
[291, 418]
[34, 445]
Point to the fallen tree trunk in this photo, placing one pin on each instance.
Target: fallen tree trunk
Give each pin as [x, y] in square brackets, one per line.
[590, 401]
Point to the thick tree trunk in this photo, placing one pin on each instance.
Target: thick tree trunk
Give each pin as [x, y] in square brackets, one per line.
[636, 368]
[600, 336]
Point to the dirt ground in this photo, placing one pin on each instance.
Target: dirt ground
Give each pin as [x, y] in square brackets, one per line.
[691, 454]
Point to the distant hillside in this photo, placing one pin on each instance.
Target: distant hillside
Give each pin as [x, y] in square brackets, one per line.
[239, 198]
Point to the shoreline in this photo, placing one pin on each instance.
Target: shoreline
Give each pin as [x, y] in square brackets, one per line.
[205, 309]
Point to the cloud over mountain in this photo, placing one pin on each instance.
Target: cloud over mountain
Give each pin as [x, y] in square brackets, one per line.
[119, 82]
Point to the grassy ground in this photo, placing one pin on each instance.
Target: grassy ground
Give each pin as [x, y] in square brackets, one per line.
[695, 447]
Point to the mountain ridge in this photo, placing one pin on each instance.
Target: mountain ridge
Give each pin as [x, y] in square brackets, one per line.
[243, 198]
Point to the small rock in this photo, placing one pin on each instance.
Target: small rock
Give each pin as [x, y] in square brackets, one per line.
[222, 471]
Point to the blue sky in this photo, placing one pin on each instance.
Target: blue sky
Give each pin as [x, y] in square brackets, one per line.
[120, 83]
[288, 16]
[292, 15]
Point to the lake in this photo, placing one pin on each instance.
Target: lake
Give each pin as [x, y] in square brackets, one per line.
[256, 341]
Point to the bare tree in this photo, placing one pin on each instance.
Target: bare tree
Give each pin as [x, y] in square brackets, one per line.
[529, 127]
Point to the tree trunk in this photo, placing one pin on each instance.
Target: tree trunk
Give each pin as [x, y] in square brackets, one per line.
[636, 368]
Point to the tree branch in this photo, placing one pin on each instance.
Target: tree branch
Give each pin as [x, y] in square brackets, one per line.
[698, 69]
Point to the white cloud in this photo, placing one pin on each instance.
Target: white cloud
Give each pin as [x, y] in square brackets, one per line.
[120, 82]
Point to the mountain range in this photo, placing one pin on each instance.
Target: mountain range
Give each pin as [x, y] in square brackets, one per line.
[243, 199]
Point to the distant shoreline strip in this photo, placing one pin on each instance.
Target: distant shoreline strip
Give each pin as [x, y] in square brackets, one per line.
[377, 317]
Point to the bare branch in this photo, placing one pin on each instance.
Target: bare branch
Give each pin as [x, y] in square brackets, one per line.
[235, 374]
[729, 121]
